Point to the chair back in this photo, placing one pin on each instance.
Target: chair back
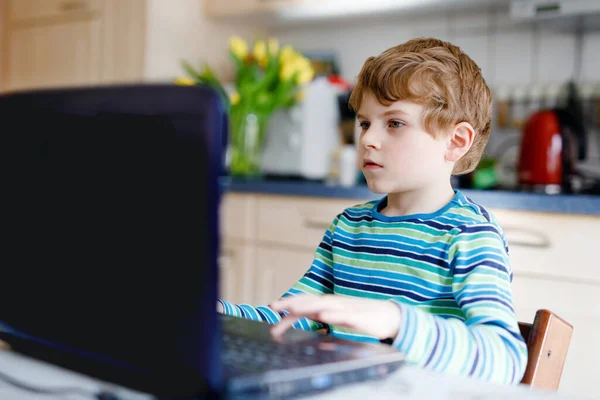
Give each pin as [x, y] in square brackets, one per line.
[548, 340]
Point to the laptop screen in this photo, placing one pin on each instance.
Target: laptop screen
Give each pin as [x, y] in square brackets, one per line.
[111, 227]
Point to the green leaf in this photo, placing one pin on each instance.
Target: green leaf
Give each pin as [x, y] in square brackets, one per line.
[191, 71]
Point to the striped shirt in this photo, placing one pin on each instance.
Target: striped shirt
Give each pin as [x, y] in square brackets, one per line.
[449, 273]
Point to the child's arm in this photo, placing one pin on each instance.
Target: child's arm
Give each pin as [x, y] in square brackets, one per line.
[488, 344]
[317, 280]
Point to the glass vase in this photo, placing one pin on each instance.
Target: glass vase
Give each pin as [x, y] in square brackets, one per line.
[248, 130]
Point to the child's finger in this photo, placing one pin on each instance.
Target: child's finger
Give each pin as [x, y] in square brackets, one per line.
[282, 326]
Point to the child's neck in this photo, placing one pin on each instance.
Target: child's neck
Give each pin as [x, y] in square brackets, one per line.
[425, 200]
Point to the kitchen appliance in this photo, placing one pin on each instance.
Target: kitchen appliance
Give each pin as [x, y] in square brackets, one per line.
[300, 140]
[552, 143]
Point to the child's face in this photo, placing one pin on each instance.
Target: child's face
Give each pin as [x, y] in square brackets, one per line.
[395, 153]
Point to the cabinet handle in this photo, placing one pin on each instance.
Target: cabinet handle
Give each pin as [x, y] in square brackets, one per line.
[316, 224]
[72, 6]
[524, 237]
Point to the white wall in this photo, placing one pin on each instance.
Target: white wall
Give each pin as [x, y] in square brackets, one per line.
[509, 54]
[179, 29]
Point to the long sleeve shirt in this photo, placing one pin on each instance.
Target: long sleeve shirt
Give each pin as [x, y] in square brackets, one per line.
[449, 272]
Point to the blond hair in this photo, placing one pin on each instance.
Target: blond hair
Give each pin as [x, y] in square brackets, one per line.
[439, 76]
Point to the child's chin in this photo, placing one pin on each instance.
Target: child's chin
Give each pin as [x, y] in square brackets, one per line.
[377, 187]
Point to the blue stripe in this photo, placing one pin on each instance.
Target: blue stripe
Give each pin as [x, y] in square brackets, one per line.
[398, 276]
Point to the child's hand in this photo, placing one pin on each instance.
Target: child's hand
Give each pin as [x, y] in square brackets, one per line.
[378, 318]
[220, 308]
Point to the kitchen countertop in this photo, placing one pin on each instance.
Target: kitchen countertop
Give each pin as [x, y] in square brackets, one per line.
[565, 203]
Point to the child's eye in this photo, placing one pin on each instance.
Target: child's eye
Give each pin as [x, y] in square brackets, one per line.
[396, 124]
[364, 125]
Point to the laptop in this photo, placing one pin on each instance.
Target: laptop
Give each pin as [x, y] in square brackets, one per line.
[110, 218]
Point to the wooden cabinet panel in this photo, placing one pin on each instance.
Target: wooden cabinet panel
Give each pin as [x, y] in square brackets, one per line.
[297, 221]
[236, 262]
[92, 42]
[277, 270]
[28, 10]
[53, 55]
[238, 213]
[552, 245]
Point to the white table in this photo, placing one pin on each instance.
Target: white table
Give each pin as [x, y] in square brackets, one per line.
[407, 383]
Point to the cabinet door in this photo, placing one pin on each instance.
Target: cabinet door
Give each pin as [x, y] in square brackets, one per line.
[57, 54]
[552, 245]
[236, 263]
[277, 270]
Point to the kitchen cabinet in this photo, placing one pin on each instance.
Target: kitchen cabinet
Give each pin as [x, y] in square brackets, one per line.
[552, 257]
[51, 55]
[277, 269]
[31, 10]
[52, 43]
[236, 270]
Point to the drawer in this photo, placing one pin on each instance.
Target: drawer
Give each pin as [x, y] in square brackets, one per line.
[552, 245]
[238, 216]
[298, 221]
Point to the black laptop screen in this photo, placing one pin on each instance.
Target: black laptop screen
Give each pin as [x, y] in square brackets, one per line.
[111, 227]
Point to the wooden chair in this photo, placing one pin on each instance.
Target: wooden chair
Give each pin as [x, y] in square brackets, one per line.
[548, 340]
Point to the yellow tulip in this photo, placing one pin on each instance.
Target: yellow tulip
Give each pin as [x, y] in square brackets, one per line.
[273, 46]
[238, 47]
[234, 98]
[287, 71]
[305, 71]
[287, 54]
[260, 53]
[183, 81]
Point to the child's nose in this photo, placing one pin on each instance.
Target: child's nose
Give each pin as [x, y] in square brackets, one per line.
[371, 139]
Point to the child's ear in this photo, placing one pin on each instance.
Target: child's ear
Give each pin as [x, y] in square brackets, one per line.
[460, 140]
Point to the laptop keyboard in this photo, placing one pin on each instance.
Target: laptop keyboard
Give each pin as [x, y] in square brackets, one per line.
[248, 355]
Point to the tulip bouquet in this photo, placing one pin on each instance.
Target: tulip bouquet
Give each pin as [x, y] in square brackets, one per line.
[266, 79]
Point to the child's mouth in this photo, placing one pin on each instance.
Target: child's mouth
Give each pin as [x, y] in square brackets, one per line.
[370, 165]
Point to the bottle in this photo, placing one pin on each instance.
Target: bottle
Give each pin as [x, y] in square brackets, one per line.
[348, 168]
[518, 109]
[502, 107]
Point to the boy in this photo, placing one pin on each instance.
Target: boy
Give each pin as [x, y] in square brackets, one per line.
[424, 268]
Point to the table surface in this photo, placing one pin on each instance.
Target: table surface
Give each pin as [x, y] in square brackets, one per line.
[407, 383]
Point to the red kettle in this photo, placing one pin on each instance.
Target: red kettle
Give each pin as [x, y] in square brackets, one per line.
[552, 142]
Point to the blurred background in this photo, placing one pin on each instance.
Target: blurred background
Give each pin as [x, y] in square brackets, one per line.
[540, 175]
[529, 51]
